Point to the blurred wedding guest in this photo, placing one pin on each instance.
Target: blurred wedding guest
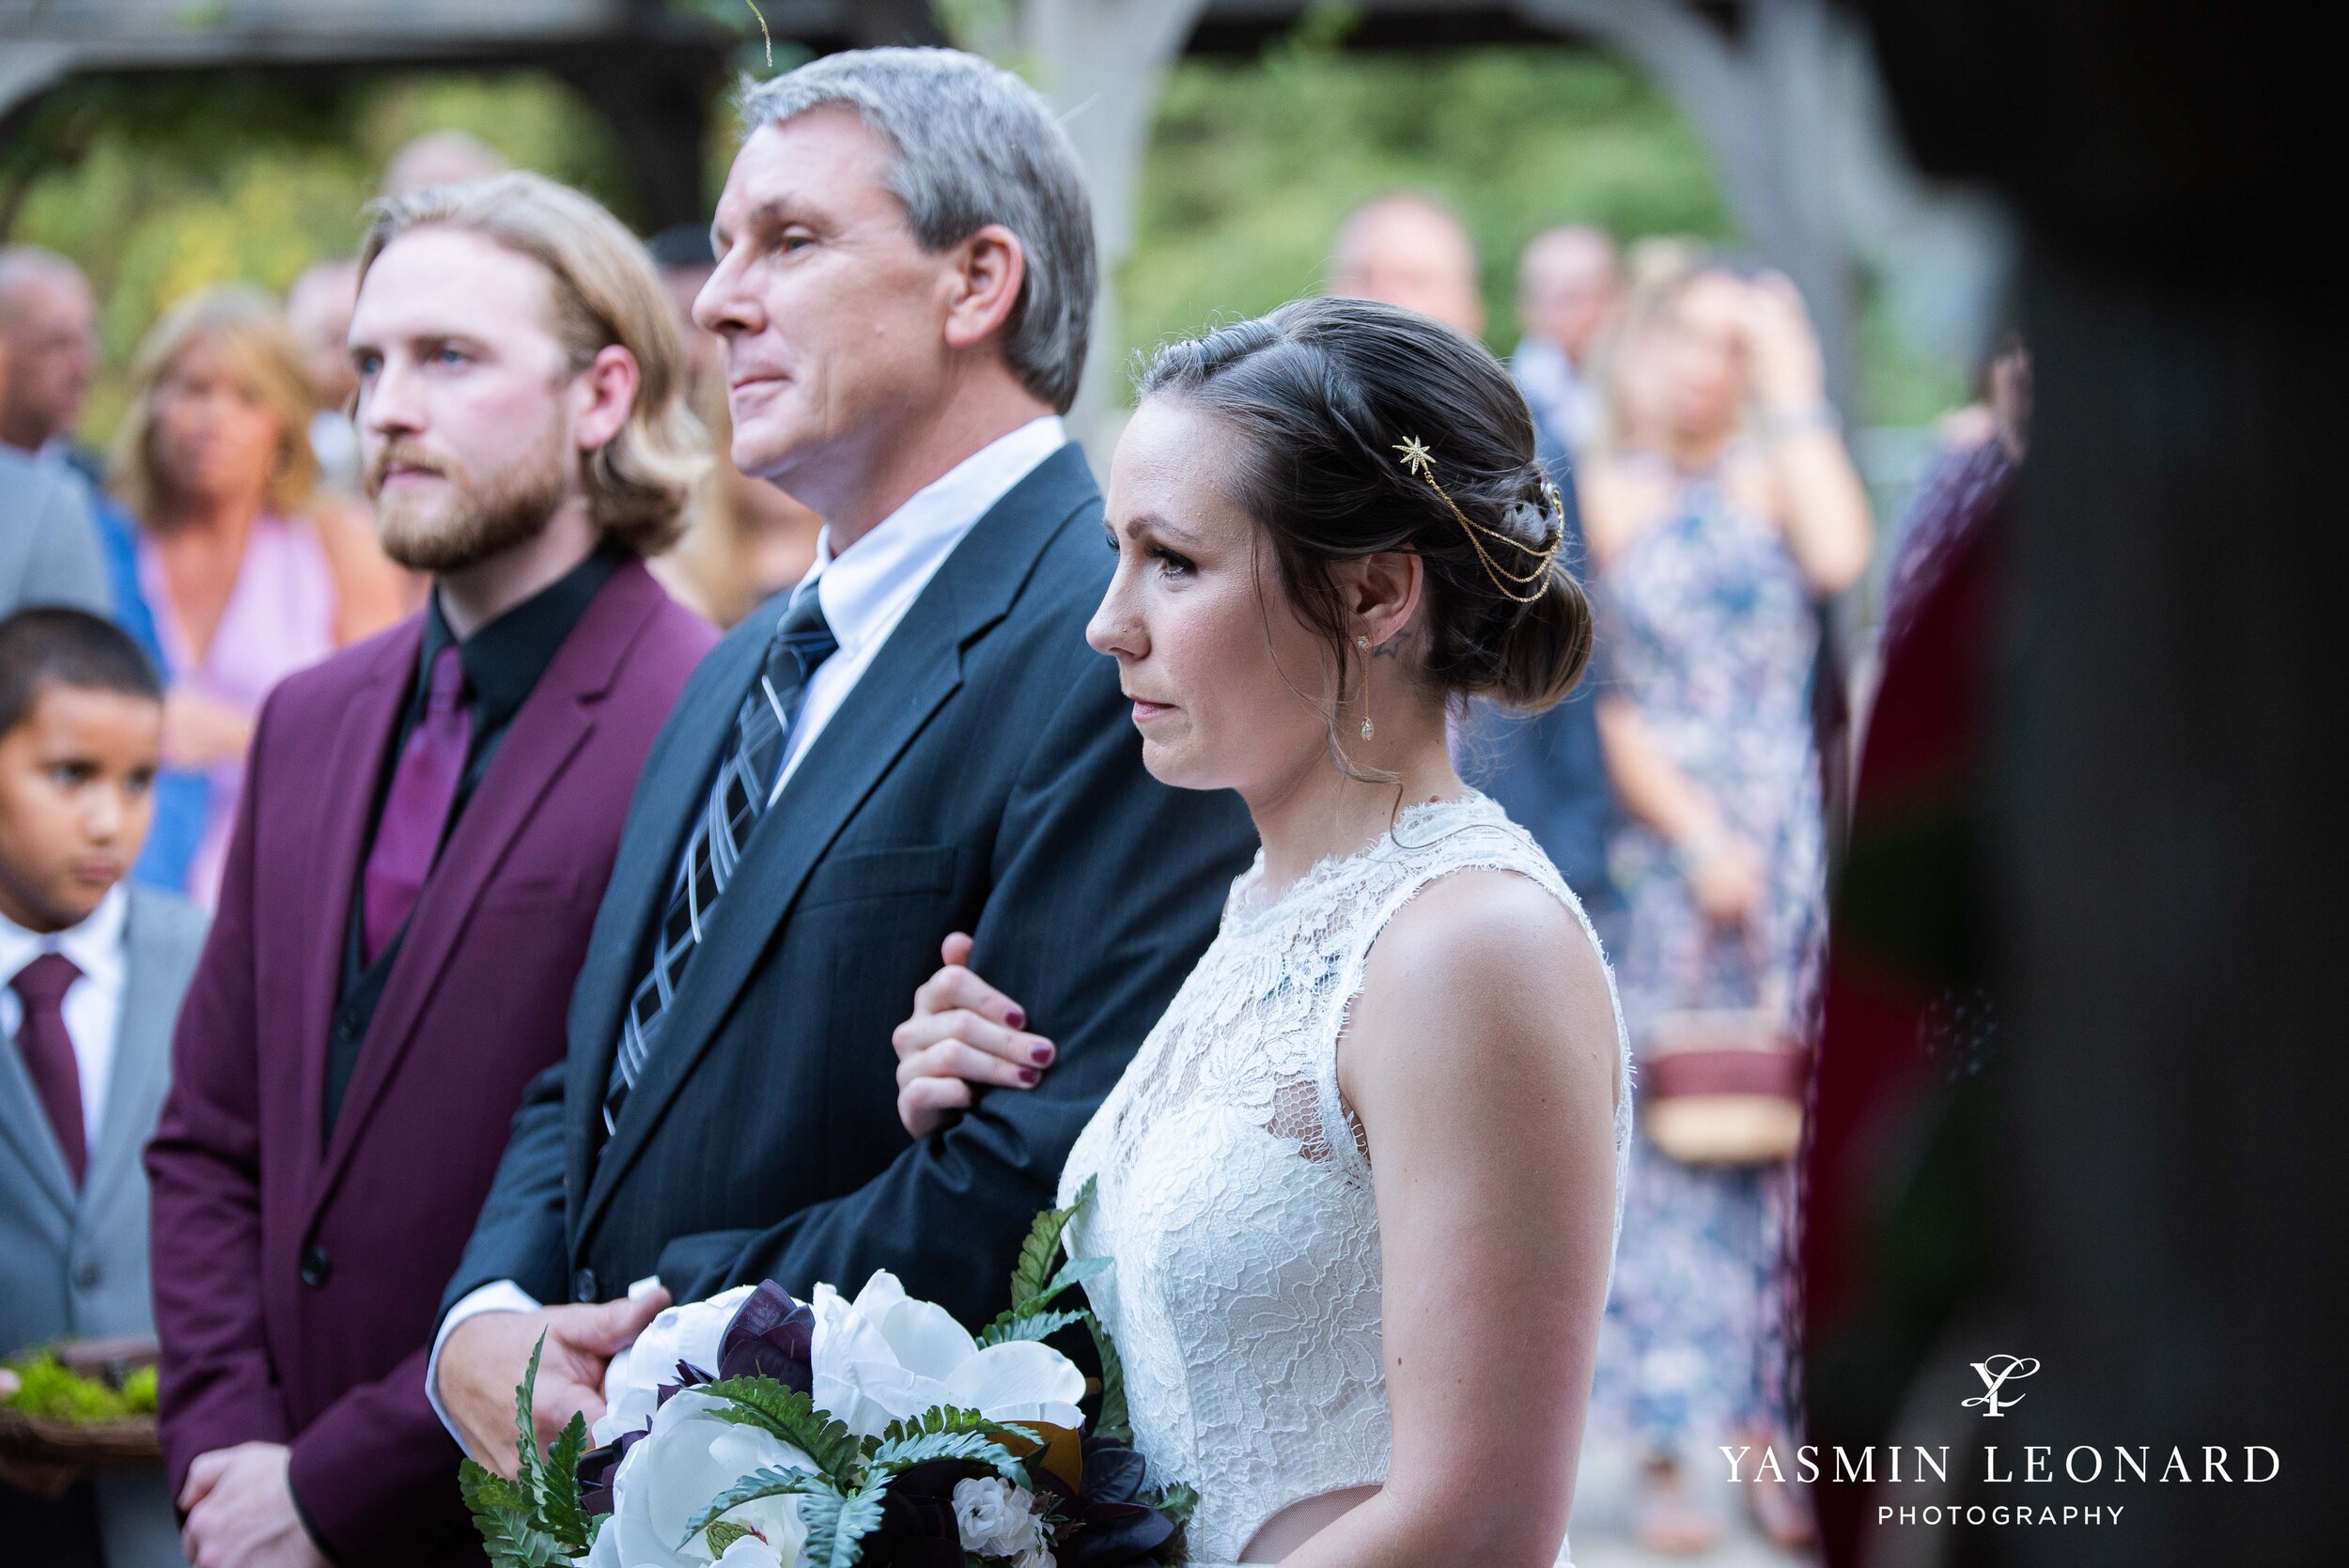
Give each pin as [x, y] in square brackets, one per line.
[91, 973]
[248, 576]
[49, 331]
[1722, 510]
[1569, 281]
[746, 540]
[48, 346]
[427, 826]
[1409, 250]
[1544, 768]
[440, 157]
[49, 551]
[1982, 444]
[318, 313]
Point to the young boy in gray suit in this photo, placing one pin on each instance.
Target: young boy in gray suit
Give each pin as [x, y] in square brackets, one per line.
[91, 973]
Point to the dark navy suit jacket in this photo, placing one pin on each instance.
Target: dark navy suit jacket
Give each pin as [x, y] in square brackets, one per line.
[983, 775]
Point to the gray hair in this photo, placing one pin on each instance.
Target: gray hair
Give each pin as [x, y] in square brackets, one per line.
[974, 146]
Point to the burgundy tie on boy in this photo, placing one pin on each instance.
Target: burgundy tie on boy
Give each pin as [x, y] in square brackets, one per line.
[48, 1052]
[415, 810]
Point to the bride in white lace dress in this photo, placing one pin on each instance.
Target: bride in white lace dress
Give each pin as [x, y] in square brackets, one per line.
[1359, 1186]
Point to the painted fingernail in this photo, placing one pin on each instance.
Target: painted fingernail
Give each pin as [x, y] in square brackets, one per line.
[1042, 1055]
[1029, 1075]
[1017, 1017]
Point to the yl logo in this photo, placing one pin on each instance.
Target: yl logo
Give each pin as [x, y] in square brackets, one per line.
[1995, 1375]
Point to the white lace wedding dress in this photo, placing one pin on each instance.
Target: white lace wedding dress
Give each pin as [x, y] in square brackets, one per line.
[1234, 1195]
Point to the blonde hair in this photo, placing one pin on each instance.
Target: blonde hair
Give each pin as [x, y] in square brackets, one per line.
[603, 292]
[1658, 270]
[248, 331]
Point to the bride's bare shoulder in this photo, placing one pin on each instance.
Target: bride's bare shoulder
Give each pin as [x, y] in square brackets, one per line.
[1486, 963]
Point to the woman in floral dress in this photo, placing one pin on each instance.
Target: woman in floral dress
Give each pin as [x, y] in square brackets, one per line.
[1724, 513]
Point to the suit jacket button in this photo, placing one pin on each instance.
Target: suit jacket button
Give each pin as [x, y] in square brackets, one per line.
[316, 1265]
[85, 1277]
[583, 1285]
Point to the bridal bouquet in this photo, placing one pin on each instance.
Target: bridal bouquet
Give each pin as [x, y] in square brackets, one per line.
[755, 1431]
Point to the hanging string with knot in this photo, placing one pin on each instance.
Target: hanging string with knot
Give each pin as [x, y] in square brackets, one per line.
[1523, 588]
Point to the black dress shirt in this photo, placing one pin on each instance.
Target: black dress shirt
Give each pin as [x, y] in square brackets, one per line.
[503, 662]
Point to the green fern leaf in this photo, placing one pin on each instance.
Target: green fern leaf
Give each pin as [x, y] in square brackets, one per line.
[558, 1505]
[512, 1542]
[1040, 1252]
[723, 1534]
[1026, 1326]
[768, 1482]
[525, 1427]
[1176, 1501]
[791, 1416]
[977, 1448]
[938, 1418]
[484, 1489]
[837, 1524]
[1076, 1271]
[1112, 1420]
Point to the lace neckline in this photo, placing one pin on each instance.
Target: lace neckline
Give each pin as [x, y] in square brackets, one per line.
[1250, 907]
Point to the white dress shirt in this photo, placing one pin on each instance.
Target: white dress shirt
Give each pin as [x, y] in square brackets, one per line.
[93, 1003]
[865, 591]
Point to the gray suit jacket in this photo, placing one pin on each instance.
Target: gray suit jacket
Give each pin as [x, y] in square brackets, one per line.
[73, 1265]
[48, 550]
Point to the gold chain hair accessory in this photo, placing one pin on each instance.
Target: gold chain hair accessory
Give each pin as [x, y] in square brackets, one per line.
[1422, 462]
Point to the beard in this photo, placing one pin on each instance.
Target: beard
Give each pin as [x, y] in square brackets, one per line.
[472, 519]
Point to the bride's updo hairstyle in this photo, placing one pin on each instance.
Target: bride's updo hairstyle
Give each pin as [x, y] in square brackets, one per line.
[1322, 393]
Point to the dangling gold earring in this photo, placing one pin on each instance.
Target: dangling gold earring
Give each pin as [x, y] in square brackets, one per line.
[1362, 643]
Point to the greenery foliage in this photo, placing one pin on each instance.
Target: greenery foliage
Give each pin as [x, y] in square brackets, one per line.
[48, 1388]
[1255, 163]
[158, 189]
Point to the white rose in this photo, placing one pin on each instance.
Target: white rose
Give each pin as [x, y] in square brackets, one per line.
[690, 1332]
[670, 1476]
[997, 1519]
[885, 1357]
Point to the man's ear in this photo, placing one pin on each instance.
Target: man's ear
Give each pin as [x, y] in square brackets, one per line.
[610, 382]
[1382, 592]
[988, 266]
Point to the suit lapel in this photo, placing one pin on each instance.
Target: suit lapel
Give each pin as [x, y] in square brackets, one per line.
[25, 1127]
[676, 775]
[362, 744]
[555, 722]
[910, 677]
[141, 1063]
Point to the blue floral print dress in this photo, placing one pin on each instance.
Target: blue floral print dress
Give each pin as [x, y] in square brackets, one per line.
[1712, 634]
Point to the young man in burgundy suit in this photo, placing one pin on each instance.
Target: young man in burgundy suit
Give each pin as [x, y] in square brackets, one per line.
[428, 825]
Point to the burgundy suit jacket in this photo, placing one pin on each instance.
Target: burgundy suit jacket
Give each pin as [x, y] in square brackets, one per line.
[298, 1277]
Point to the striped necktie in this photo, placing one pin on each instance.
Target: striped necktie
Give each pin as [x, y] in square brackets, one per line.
[738, 798]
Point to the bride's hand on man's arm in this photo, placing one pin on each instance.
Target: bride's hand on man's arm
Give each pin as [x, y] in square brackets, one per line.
[964, 1035]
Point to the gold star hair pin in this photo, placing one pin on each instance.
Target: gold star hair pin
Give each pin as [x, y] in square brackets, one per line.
[1526, 587]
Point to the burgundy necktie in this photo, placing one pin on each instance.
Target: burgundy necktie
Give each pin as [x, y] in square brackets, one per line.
[48, 1052]
[415, 812]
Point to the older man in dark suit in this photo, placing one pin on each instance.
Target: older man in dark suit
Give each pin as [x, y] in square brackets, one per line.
[918, 742]
[429, 821]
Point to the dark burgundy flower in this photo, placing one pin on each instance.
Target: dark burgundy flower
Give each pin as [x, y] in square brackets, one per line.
[1109, 1526]
[771, 1336]
[597, 1467]
[688, 1376]
[918, 1527]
